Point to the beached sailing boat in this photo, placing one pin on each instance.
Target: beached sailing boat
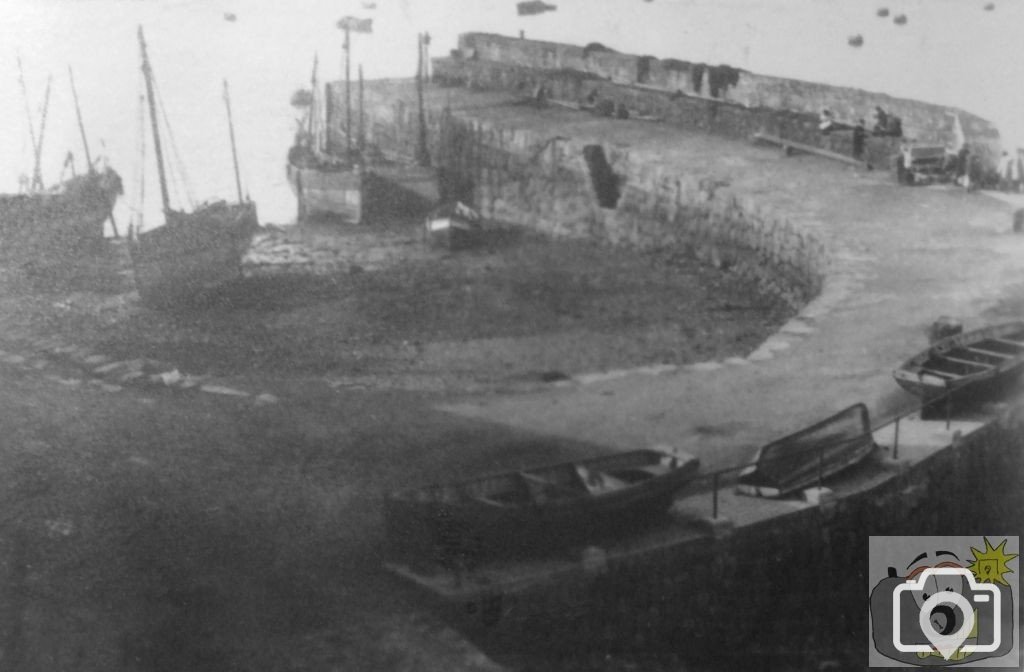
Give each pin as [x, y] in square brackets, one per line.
[397, 177]
[61, 221]
[193, 252]
[326, 184]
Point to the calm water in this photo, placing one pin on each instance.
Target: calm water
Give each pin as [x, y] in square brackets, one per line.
[951, 51]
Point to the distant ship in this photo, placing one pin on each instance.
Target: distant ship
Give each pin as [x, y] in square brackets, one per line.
[534, 7]
[193, 252]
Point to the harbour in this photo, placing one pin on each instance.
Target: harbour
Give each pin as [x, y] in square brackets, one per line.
[617, 298]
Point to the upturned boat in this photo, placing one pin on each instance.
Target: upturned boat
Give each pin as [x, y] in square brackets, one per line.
[807, 458]
[979, 363]
[540, 509]
[193, 252]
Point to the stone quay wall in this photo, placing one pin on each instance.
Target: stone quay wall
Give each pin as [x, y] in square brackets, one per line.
[588, 189]
[694, 93]
[790, 588]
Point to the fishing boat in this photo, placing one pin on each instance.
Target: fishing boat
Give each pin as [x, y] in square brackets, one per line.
[540, 508]
[326, 184]
[534, 7]
[403, 182]
[808, 457]
[193, 252]
[64, 220]
[979, 362]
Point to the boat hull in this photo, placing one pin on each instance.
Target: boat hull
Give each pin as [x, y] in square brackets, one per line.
[978, 363]
[535, 511]
[808, 457]
[193, 253]
[334, 194]
[451, 233]
[60, 221]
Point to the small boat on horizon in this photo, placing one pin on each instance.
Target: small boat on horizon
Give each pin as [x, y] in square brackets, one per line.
[981, 362]
[534, 7]
[193, 252]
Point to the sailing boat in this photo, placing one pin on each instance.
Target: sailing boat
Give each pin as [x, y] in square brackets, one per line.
[59, 222]
[400, 180]
[324, 184]
[193, 252]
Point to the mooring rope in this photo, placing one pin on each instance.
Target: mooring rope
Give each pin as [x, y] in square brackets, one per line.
[138, 212]
[178, 164]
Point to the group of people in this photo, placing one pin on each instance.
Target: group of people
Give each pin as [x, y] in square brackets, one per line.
[884, 125]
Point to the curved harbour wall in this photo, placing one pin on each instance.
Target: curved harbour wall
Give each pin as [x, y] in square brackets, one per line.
[586, 186]
[696, 94]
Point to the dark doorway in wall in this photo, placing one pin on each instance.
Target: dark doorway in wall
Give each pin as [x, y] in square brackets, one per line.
[606, 182]
[643, 69]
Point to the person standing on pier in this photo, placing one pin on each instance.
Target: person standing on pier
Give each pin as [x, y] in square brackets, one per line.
[859, 136]
[1004, 168]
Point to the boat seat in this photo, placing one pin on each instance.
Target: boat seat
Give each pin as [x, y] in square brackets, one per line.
[992, 353]
[940, 374]
[980, 365]
[655, 470]
[1007, 341]
[542, 490]
[598, 481]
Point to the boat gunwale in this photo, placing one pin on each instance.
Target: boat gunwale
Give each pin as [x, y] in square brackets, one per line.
[909, 374]
[407, 495]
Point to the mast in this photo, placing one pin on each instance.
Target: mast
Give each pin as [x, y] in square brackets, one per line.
[81, 126]
[31, 124]
[348, 89]
[147, 72]
[234, 151]
[37, 174]
[313, 125]
[422, 155]
[362, 125]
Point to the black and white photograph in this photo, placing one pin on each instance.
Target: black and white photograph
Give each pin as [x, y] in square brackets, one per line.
[511, 336]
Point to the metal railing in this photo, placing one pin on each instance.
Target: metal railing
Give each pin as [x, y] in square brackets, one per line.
[716, 476]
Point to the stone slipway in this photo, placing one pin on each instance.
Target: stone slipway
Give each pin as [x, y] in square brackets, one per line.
[898, 258]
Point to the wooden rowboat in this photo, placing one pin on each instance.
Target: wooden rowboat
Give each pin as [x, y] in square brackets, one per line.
[982, 361]
[537, 509]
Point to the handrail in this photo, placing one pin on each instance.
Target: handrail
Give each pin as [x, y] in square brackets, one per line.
[716, 476]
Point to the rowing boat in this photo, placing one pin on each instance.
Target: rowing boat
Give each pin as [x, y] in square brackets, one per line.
[983, 360]
[808, 457]
[540, 508]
